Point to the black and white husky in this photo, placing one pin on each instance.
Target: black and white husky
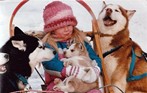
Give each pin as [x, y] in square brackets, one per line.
[25, 52]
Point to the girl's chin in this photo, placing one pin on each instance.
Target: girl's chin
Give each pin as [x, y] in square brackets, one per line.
[63, 38]
[67, 37]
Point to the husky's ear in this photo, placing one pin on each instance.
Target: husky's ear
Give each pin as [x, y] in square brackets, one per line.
[104, 4]
[19, 44]
[130, 13]
[18, 31]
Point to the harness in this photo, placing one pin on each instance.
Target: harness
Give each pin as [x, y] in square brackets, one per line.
[20, 77]
[111, 51]
[130, 77]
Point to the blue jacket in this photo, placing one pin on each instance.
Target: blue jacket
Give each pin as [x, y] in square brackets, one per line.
[56, 65]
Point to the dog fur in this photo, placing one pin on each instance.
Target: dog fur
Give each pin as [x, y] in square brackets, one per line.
[25, 52]
[76, 55]
[38, 34]
[113, 23]
[4, 58]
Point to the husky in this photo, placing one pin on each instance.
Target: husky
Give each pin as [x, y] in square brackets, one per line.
[77, 55]
[4, 58]
[25, 52]
[125, 61]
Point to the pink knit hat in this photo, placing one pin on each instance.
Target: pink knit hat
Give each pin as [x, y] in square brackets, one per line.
[57, 15]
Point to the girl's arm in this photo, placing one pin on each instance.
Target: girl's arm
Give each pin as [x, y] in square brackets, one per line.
[93, 55]
[54, 66]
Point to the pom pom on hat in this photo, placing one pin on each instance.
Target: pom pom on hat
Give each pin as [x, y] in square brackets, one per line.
[57, 15]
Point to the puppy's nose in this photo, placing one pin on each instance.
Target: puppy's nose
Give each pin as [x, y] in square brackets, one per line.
[6, 56]
[54, 52]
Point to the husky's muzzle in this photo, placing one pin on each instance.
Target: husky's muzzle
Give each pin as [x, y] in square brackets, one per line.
[107, 19]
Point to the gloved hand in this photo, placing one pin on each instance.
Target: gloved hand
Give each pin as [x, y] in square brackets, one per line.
[92, 74]
[76, 71]
[86, 74]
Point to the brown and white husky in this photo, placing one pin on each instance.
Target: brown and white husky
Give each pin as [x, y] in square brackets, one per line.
[124, 59]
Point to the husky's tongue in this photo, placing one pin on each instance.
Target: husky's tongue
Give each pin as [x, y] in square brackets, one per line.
[108, 21]
[2, 69]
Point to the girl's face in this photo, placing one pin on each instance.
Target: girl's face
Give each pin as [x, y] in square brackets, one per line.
[63, 33]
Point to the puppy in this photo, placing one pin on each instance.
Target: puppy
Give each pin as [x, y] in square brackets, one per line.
[120, 51]
[76, 55]
[74, 85]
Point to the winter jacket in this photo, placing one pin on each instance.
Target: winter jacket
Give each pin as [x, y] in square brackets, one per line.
[55, 66]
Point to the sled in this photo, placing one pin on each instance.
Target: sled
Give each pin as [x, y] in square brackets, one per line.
[93, 34]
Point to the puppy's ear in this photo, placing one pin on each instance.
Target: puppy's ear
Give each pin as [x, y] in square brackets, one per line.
[18, 31]
[81, 46]
[72, 41]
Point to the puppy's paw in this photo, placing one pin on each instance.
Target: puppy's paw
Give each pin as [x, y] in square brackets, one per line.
[63, 59]
[66, 62]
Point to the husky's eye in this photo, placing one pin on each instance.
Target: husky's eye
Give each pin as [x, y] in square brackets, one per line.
[40, 47]
[116, 10]
[43, 47]
[72, 50]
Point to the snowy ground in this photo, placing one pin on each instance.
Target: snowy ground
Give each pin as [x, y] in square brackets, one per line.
[29, 17]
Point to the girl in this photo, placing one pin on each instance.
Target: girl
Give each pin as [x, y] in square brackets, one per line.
[59, 25]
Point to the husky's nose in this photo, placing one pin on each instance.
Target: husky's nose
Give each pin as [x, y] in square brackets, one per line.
[6, 56]
[108, 11]
[54, 52]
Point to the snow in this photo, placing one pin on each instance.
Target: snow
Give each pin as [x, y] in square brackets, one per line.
[29, 17]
